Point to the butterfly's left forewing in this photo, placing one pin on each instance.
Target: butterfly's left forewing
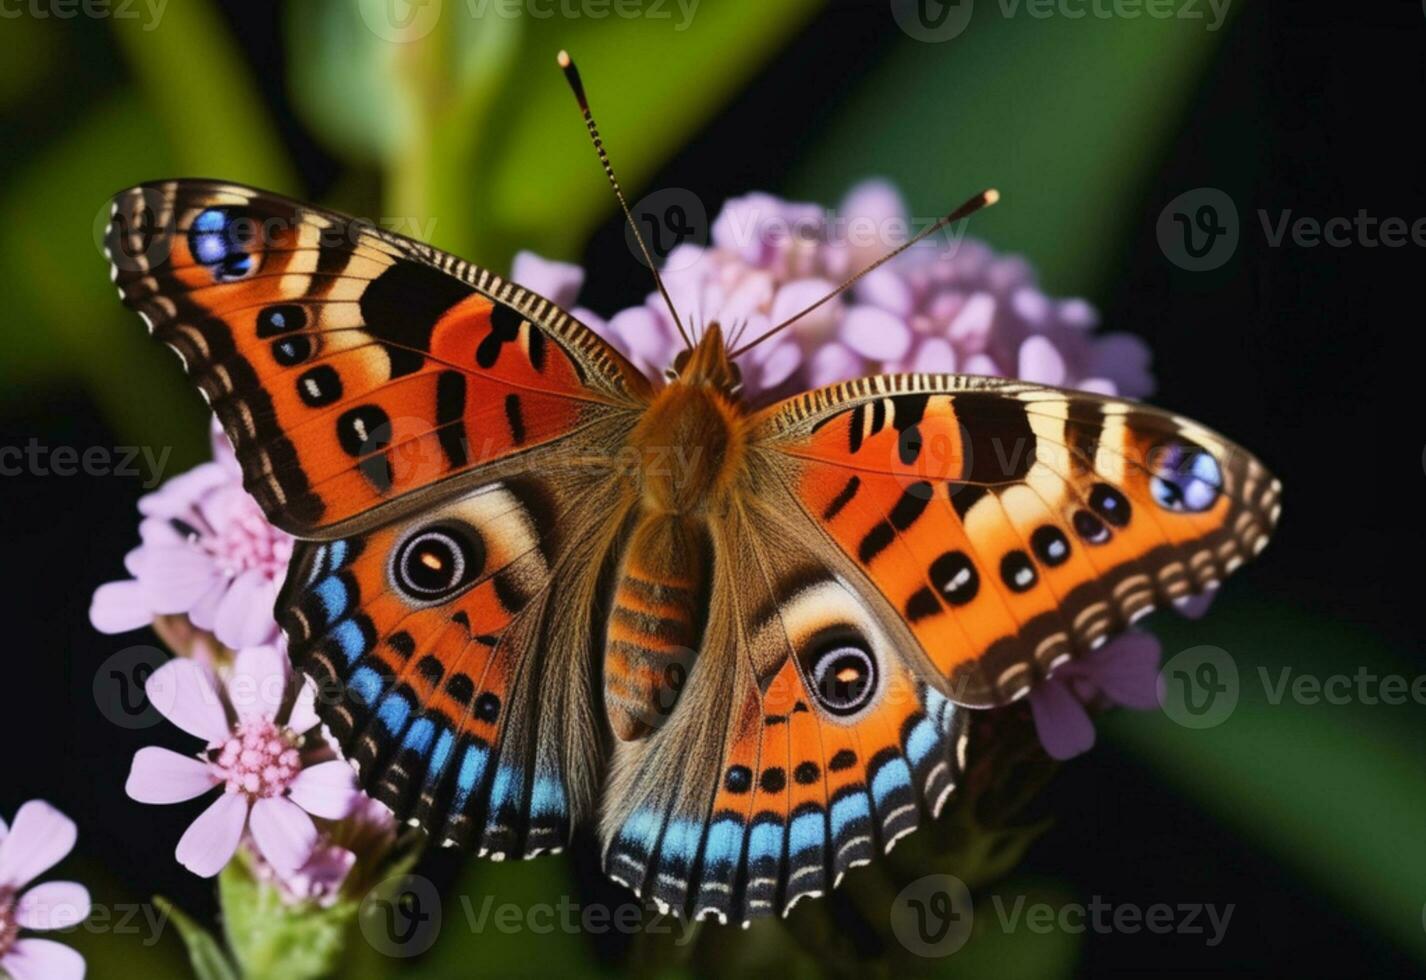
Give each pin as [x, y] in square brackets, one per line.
[355, 371]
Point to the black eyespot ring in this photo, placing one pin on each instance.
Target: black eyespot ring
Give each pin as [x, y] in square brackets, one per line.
[438, 562]
[841, 670]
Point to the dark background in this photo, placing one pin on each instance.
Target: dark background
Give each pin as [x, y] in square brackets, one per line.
[1309, 356]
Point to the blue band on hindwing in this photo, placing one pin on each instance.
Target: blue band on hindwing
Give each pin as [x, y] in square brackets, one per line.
[393, 712]
[848, 810]
[807, 832]
[922, 740]
[724, 844]
[472, 767]
[547, 797]
[419, 736]
[889, 778]
[440, 754]
[366, 684]
[349, 639]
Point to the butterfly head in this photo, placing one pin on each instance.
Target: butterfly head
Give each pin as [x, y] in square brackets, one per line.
[708, 364]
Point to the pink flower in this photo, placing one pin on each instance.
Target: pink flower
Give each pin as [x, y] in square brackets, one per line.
[366, 835]
[940, 307]
[274, 779]
[1124, 672]
[41, 838]
[207, 552]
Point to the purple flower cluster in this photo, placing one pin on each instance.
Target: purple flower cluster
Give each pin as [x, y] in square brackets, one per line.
[941, 306]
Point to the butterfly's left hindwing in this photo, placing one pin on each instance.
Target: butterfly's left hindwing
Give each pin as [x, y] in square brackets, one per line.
[354, 370]
[451, 652]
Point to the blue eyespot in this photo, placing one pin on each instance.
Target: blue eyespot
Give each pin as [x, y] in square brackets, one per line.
[214, 241]
[1184, 477]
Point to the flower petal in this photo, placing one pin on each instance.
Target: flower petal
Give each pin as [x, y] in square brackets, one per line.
[283, 832]
[303, 715]
[1041, 362]
[1194, 606]
[832, 363]
[1060, 720]
[558, 282]
[38, 840]
[118, 607]
[186, 693]
[42, 959]
[258, 685]
[1127, 669]
[160, 775]
[245, 616]
[779, 365]
[875, 334]
[53, 905]
[327, 789]
[210, 841]
[175, 576]
[935, 356]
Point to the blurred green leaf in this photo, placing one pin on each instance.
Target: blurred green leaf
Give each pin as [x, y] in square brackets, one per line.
[998, 947]
[1065, 116]
[200, 93]
[516, 919]
[1334, 791]
[482, 142]
[207, 957]
[123, 936]
[27, 46]
[59, 280]
[276, 941]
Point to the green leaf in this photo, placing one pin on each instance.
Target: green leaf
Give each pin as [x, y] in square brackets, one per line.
[273, 940]
[481, 141]
[198, 89]
[59, 286]
[1066, 117]
[208, 959]
[1334, 791]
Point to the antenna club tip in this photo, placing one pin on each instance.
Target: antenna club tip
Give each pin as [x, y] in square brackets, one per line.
[990, 195]
[563, 59]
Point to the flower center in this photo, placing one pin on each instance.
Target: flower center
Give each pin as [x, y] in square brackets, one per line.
[259, 759]
[9, 927]
[250, 542]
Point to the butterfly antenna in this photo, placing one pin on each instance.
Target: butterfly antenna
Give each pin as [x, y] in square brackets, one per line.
[571, 74]
[982, 200]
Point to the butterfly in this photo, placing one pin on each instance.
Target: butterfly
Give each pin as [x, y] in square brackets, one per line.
[537, 588]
